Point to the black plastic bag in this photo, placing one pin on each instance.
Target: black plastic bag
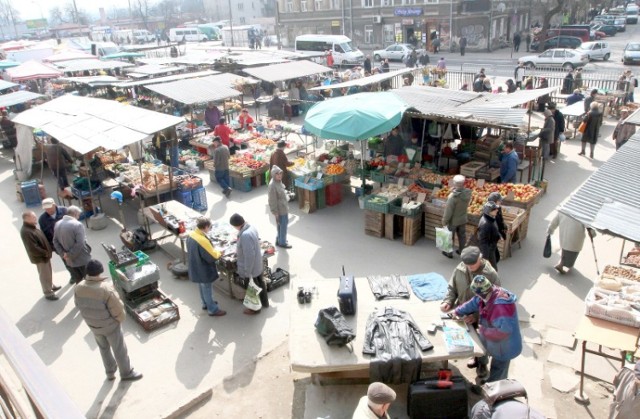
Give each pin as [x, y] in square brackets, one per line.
[547, 247]
[332, 325]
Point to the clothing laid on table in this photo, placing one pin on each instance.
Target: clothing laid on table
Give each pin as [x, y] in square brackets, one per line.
[428, 287]
[250, 262]
[392, 286]
[201, 259]
[488, 238]
[395, 341]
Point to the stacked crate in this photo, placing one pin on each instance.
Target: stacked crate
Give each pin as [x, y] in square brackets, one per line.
[374, 223]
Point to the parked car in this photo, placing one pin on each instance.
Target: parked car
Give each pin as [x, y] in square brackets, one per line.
[620, 23]
[395, 52]
[596, 50]
[610, 30]
[569, 42]
[565, 59]
[631, 53]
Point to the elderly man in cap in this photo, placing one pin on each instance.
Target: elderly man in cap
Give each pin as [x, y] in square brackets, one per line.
[498, 328]
[39, 251]
[103, 311]
[48, 219]
[249, 255]
[69, 240]
[279, 206]
[376, 403]
[221, 165]
[459, 291]
[626, 396]
[455, 212]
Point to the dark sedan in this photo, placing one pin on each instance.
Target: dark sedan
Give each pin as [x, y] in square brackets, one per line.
[610, 30]
[568, 42]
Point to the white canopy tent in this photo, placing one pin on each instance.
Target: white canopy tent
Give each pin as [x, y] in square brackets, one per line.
[287, 71]
[192, 91]
[364, 81]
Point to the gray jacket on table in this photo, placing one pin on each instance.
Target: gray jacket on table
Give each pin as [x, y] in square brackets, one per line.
[69, 237]
[455, 212]
[249, 253]
[278, 202]
[99, 304]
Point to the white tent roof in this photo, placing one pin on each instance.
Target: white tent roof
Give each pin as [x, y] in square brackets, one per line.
[14, 98]
[154, 69]
[6, 84]
[156, 80]
[364, 81]
[82, 65]
[191, 91]
[287, 71]
[84, 123]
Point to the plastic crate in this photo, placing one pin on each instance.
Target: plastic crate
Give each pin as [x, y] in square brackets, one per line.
[31, 193]
[312, 185]
[378, 176]
[395, 207]
[185, 198]
[199, 199]
[374, 206]
[321, 198]
[241, 184]
[333, 194]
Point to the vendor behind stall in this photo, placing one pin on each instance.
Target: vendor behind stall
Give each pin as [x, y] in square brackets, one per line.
[414, 144]
[394, 144]
[223, 131]
[279, 158]
[57, 160]
[275, 107]
[245, 120]
[212, 115]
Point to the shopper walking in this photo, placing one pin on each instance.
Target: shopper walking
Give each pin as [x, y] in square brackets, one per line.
[463, 45]
[572, 235]
[279, 206]
[202, 259]
[593, 119]
[249, 255]
[221, 165]
[498, 329]
[455, 213]
[442, 64]
[577, 78]
[279, 158]
[546, 134]
[459, 290]
[489, 234]
[517, 40]
[623, 131]
[367, 65]
[39, 251]
[69, 240]
[103, 311]
[527, 40]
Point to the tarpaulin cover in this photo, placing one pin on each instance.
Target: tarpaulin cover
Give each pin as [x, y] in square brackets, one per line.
[32, 70]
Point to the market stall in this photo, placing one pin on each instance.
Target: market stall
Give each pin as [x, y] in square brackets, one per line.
[609, 201]
[32, 70]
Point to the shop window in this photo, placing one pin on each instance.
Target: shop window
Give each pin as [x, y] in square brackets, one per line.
[368, 34]
[303, 6]
[319, 4]
[409, 2]
[290, 6]
[240, 6]
[388, 34]
[367, 3]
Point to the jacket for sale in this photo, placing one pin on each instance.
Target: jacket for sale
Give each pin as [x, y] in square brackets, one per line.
[393, 286]
[391, 336]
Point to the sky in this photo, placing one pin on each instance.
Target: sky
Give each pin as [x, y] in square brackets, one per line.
[30, 9]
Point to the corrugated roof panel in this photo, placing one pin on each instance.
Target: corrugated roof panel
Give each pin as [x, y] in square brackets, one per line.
[617, 180]
[287, 71]
[193, 91]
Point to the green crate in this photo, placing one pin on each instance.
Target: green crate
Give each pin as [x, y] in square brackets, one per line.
[142, 259]
[395, 207]
[374, 206]
[378, 176]
[321, 200]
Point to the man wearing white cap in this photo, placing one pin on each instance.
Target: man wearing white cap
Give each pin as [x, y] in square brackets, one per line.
[278, 205]
[455, 212]
[376, 403]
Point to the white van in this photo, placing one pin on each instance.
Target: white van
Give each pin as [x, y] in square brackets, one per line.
[344, 53]
[632, 13]
[142, 36]
[189, 34]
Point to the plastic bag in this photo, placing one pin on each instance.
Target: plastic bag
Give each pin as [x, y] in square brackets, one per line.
[547, 247]
[444, 239]
[562, 138]
[252, 297]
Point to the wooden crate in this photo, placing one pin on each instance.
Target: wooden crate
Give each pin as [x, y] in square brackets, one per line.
[307, 200]
[412, 229]
[374, 223]
[432, 219]
[389, 226]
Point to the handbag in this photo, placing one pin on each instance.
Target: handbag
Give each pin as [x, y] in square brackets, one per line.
[508, 388]
[583, 127]
[333, 327]
[547, 247]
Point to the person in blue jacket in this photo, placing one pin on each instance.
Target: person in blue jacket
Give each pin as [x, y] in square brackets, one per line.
[498, 325]
[508, 164]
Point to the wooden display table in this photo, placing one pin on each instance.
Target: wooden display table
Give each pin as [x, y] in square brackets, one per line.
[310, 353]
[604, 333]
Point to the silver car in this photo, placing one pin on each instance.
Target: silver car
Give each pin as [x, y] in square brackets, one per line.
[565, 59]
[596, 50]
[631, 53]
[395, 52]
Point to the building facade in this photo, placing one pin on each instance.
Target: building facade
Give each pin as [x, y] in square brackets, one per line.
[374, 24]
[242, 12]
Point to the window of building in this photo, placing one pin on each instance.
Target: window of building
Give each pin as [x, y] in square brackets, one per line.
[319, 4]
[431, 1]
[367, 3]
[388, 34]
[387, 2]
[240, 6]
[337, 4]
[368, 34]
[290, 6]
[409, 2]
[242, 20]
[303, 6]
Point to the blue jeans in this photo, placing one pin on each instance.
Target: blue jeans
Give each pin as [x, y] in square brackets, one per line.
[206, 296]
[222, 177]
[499, 369]
[283, 222]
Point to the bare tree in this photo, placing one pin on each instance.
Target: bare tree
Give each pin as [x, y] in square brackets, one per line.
[57, 16]
[168, 9]
[9, 14]
[142, 11]
[548, 15]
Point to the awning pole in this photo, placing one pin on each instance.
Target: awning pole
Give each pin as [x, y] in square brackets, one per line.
[624, 241]
[424, 128]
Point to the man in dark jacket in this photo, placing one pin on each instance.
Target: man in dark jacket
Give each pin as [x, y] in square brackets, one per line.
[455, 213]
[48, 220]
[558, 126]
[593, 119]
[463, 45]
[249, 254]
[367, 64]
[70, 242]
[9, 129]
[103, 311]
[221, 165]
[57, 160]
[589, 100]
[489, 234]
[39, 252]
[546, 134]
[279, 158]
[508, 163]
[575, 97]
[202, 259]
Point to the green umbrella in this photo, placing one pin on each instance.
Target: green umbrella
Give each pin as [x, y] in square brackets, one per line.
[8, 64]
[355, 117]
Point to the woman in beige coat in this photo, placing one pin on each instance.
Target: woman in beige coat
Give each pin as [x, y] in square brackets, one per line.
[572, 235]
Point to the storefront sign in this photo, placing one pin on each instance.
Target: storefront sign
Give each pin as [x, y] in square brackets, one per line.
[407, 22]
[335, 23]
[407, 11]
